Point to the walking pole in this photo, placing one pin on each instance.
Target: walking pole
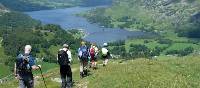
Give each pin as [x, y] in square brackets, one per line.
[43, 77]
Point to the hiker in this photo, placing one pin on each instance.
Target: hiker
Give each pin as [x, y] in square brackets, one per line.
[64, 60]
[24, 65]
[105, 54]
[93, 55]
[83, 55]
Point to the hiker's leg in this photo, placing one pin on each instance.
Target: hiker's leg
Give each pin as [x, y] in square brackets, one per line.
[85, 67]
[69, 77]
[106, 61]
[21, 84]
[81, 66]
[81, 69]
[63, 77]
[30, 84]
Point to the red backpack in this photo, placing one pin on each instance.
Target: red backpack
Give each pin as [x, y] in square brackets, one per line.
[92, 51]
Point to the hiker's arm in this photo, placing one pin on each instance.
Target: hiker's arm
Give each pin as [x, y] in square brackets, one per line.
[69, 55]
[35, 67]
[15, 70]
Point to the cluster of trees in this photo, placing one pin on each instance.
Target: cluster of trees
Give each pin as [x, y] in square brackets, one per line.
[117, 43]
[183, 52]
[135, 50]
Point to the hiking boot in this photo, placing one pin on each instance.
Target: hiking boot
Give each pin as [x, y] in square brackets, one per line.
[104, 65]
[95, 68]
[69, 85]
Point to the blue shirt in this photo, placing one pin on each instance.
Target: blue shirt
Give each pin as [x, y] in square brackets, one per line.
[31, 59]
[31, 62]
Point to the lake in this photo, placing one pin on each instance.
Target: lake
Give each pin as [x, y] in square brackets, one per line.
[67, 19]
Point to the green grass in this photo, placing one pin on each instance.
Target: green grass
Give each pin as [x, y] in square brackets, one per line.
[174, 37]
[144, 73]
[151, 44]
[46, 66]
[181, 46]
[4, 70]
[164, 72]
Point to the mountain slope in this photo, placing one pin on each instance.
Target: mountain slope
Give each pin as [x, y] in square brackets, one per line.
[168, 72]
[148, 15]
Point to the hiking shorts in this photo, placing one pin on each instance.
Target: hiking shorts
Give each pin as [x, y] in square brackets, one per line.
[93, 58]
[84, 59]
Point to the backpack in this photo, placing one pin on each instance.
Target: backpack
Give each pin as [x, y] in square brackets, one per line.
[23, 64]
[92, 51]
[84, 51]
[104, 51]
[63, 58]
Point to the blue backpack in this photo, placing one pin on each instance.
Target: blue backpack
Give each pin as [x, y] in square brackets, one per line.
[84, 51]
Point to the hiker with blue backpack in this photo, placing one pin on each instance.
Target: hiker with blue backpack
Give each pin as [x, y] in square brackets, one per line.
[24, 65]
[83, 56]
[64, 60]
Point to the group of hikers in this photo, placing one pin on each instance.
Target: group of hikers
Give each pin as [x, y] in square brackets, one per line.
[87, 56]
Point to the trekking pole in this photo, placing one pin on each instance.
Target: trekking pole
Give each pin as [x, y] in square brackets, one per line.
[43, 77]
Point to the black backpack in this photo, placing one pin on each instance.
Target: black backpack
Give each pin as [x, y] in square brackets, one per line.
[23, 64]
[63, 58]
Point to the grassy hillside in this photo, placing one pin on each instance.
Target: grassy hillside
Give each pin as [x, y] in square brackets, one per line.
[164, 72]
[170, 72]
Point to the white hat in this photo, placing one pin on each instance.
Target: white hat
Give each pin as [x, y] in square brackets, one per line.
[105, 44]
[65, 45]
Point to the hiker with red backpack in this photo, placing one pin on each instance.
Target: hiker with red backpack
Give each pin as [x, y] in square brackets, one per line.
[64, 60]
[83, 56]
[93, 55]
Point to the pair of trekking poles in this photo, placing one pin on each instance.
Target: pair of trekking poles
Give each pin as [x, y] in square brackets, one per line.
[42, 77]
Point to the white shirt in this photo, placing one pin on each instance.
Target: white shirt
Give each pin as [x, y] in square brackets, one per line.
[104, 51]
